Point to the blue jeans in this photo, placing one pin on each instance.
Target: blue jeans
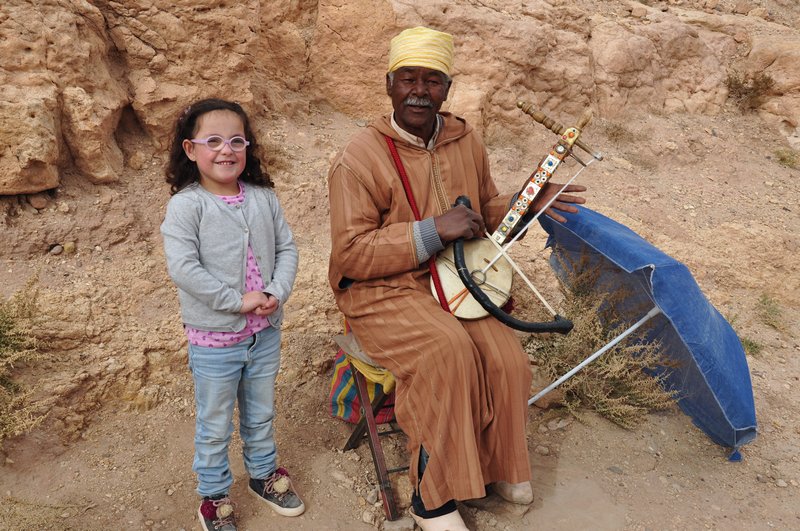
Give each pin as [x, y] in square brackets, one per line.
[245, 371]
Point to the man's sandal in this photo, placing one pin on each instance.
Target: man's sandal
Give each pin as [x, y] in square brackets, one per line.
[521, 493]
[447, 522]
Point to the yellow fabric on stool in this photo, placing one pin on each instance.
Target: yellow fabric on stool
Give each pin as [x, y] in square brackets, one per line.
[374, 374]
[371, 370]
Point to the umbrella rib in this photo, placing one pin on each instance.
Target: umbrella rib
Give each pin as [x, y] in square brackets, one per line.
[652, 313]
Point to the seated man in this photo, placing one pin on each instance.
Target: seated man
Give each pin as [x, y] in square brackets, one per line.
[462, 386]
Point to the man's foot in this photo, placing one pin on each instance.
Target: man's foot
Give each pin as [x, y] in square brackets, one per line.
[276, 491]
[216, 514]
[521, 493]
[447, 522]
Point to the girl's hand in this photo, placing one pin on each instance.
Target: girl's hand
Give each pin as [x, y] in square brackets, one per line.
[252, 300]
[268, 308]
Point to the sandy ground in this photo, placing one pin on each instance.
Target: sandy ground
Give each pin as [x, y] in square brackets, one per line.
[115, 450]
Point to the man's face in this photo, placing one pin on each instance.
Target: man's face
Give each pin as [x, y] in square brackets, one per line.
[417, 95]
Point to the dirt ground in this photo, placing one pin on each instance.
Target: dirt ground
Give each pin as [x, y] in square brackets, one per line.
[115, 449]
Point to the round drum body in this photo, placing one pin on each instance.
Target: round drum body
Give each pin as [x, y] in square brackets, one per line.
[496, 282]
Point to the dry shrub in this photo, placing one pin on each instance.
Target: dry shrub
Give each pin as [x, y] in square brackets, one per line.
[619, 384]
[770, 312]
[17, 345]
[788, 157]
[617, 132]
[748, 91]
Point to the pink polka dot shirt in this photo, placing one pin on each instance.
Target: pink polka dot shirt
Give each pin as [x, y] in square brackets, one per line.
[253, 282]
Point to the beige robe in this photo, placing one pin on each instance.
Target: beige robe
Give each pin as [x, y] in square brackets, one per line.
[462, 386]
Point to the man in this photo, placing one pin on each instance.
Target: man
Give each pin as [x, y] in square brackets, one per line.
[462, 386]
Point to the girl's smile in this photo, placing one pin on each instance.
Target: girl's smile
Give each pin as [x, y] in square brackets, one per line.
[219, 170]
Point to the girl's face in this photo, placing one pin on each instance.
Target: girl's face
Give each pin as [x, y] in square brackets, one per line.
[219, 170]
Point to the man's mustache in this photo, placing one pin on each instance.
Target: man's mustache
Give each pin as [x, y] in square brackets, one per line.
[418, 102]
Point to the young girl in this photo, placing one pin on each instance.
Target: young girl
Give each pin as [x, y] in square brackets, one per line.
[234, 260]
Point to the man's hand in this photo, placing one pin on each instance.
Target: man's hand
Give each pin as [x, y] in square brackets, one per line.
[563, 202]
[459, 222]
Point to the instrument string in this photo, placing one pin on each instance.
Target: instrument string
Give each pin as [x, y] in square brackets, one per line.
[503, 251]
[483, 282]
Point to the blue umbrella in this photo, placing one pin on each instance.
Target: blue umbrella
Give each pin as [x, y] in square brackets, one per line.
[710, 373]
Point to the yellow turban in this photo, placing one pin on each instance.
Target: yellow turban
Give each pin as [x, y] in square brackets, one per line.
[422, 47]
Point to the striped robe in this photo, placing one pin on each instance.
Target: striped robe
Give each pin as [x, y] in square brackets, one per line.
[462, 386]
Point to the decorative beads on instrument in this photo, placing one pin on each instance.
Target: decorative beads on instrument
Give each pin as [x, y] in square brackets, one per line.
[535, 184]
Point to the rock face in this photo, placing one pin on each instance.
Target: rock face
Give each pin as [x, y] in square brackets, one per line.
[71, 70]
[60, 102]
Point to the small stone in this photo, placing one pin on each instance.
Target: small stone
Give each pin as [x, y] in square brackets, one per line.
[170, 492]
[339, 476]
[639, 11]
[563, 423]
[69, 247]
[401, 524]
[38, 201]
[742, 7]
[137, 161]
[615, 469]
[542, 450]
[149, 522]
[781, 483]
[98, 249]
[63, 208]
[368, 517]
[372, 496]
[65, 514]
[56, 250]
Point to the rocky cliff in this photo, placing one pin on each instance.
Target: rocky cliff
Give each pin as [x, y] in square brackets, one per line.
[77, 77]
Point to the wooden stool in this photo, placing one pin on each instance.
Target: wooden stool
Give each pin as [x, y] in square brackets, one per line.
[357, 358]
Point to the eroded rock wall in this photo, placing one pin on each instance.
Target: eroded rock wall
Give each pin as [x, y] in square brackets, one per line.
[70, 69]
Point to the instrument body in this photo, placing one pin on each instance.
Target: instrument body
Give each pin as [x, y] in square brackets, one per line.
[496, 282]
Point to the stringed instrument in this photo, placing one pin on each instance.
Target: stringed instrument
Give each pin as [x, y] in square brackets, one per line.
[477, 275]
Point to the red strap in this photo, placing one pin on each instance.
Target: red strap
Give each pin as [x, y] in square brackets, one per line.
[437, 283]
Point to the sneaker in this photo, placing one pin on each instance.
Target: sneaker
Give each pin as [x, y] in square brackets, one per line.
[216, 514]
[276, 490]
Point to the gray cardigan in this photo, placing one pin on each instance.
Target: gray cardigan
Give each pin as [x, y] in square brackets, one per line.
[205, 244]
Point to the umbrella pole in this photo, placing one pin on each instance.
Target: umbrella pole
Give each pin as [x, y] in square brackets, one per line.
[652, 313]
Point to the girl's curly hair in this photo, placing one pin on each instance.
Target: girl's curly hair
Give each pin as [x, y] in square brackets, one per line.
[180, 171]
